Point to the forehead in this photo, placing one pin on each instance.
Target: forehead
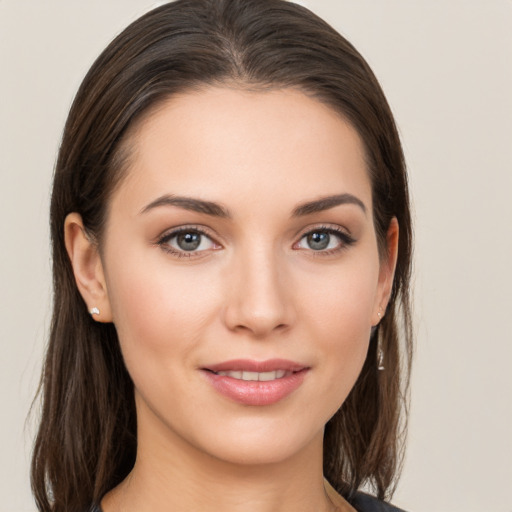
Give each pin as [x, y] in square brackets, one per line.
[230, 145]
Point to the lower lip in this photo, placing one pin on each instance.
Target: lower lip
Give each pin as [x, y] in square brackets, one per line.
[251, 392]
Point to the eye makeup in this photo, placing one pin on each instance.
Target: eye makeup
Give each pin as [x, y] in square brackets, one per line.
[194, 241]
[325, 240]
[187, 242]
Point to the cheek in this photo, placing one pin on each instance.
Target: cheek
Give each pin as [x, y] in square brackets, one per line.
[344, 298]
[339, 311]
[345, 335]
[158, 310]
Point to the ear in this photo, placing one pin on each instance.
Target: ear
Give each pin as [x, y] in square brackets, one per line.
[87, 267]
[386, 273]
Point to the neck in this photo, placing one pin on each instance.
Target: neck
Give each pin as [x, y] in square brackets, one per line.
[170, 475]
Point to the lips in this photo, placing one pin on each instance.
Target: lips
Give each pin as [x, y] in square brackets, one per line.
[256, 383]
[255, 376]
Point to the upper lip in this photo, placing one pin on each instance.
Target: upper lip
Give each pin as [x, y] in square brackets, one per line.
[249, 365]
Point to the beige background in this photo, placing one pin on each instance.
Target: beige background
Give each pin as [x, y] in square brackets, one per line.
[447, 70]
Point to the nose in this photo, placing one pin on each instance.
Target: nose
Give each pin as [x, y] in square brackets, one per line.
[258, 300]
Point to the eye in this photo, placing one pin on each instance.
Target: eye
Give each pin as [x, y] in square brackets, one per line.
[325, 240]
[186, 241]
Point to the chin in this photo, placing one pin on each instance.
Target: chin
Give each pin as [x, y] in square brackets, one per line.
[258, 441]
[254, 451]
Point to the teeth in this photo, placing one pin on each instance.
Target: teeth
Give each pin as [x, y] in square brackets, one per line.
[255, 376]
[250, 376]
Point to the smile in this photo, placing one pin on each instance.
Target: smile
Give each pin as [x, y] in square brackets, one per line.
[255, 376]
[256, 383]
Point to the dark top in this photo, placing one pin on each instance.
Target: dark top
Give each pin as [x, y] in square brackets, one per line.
[361, 502]
[366, 503]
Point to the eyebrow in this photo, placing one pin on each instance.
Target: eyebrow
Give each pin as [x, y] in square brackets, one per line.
[216, 210]
[325, 203]
[189, 203]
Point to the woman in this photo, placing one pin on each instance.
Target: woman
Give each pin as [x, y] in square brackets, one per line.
[231, 242]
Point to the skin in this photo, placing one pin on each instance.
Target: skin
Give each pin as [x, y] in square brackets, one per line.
[254, 289]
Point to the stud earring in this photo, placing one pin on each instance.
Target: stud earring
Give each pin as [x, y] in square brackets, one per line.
[94, 311]
[380, 313]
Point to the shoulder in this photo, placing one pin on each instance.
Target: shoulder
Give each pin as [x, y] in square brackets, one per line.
[366, 503]
[360, 501]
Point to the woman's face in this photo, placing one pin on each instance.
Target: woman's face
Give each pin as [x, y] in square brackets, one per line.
[242, 273]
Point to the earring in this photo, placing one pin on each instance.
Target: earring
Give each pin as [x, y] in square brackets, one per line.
[380, 352]
[94, 311]
[380, 357]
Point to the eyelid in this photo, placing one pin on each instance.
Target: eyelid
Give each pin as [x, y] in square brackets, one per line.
[324, 226]
[346, 238]
[343, 234]
[163, 239]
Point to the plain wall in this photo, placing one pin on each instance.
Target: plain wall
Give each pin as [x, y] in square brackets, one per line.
[446, 68]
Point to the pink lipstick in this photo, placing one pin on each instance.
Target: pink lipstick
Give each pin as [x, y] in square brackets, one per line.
[251, 382]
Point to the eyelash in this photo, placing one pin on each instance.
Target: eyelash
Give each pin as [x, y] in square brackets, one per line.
[163, 241]
[345, 239]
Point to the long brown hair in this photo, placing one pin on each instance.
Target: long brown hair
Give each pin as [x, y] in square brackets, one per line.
[87, 437]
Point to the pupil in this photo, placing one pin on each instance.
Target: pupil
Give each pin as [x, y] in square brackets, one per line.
[189, 241]
[318, 241]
